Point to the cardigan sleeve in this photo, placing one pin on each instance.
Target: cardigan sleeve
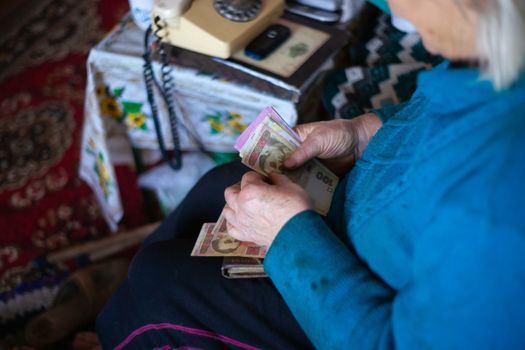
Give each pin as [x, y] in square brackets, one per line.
[466, 290]
[386, 113]
[329, 290]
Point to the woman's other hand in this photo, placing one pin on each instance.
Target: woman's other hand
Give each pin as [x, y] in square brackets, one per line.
[339, 143]
[256, 210]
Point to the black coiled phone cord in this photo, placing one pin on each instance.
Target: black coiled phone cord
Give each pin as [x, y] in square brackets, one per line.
[166, 92]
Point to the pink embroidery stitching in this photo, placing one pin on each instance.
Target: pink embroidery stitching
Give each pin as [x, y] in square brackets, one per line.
[189, 330]
[167, 347]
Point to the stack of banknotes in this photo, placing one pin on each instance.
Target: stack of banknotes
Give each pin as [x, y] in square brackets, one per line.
[263, 147]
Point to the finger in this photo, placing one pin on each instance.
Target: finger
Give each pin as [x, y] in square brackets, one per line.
[251, 177]
[233, 188]
[309, 149]
[229, 214]
[303, 130]
[280, 179]
[231, 195]
[233, 231]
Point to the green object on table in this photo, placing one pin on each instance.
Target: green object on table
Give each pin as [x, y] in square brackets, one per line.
[224, 157]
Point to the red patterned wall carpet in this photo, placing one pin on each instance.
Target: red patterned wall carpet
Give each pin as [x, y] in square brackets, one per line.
[44, 206]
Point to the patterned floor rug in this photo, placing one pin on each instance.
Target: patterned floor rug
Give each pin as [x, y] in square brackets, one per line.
[44, 206]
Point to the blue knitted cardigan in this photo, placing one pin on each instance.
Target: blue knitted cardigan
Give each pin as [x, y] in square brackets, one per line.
[424, 246]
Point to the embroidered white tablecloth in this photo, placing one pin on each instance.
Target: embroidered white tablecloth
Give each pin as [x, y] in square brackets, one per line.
[214, 109]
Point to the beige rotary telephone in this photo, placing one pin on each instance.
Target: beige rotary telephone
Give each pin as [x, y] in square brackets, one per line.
[213, 27]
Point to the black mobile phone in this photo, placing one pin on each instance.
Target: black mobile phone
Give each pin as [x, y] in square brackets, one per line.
[267, 41]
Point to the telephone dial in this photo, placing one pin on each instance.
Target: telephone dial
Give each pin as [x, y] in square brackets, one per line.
[213, 27]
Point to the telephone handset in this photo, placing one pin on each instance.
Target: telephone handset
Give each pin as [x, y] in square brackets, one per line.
[213, 27]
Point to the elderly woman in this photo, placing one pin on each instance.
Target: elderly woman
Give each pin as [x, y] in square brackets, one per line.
[424, 246]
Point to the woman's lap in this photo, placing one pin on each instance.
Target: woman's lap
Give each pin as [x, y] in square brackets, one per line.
[202, 204]
[172, 299]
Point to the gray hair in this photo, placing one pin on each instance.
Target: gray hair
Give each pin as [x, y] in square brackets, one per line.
[501, 40]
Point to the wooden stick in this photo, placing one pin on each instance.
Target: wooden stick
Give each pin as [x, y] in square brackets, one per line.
[106, 246]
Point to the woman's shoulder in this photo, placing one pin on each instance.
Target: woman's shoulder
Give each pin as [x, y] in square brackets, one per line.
[495, 182]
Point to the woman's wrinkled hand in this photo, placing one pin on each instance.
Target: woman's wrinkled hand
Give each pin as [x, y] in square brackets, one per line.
[256, 210]
[339, 143]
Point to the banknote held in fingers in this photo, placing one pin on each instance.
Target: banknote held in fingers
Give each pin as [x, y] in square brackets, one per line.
[268, 141]
[263, 147]
[219, 243]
